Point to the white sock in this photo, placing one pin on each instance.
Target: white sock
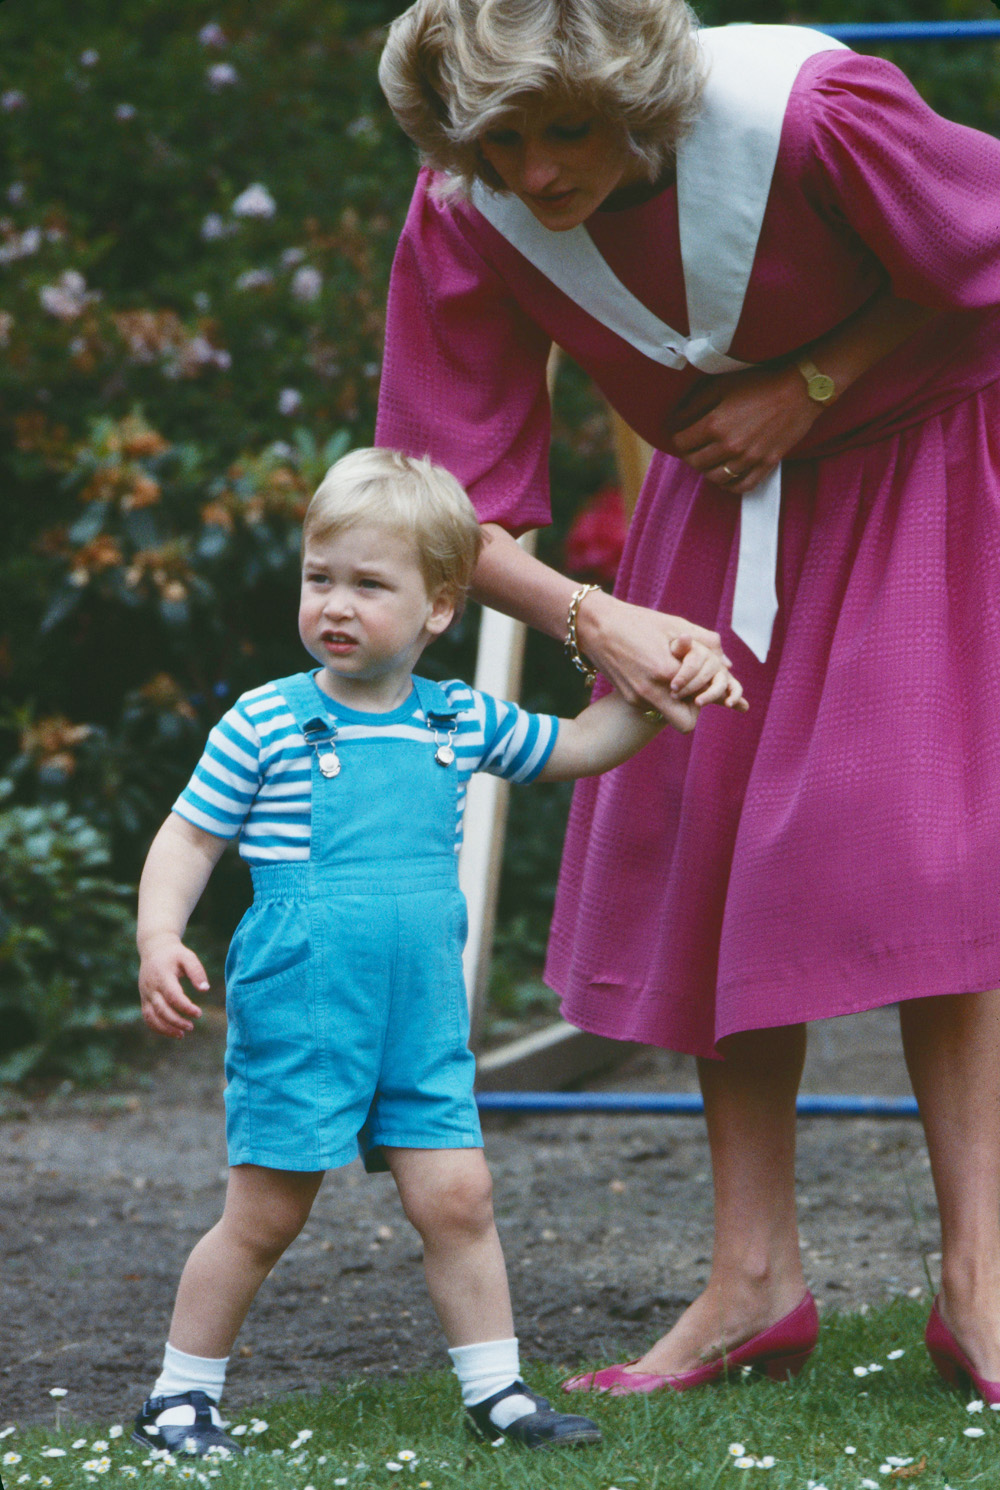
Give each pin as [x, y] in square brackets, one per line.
[485, 1369]
[189, 1373]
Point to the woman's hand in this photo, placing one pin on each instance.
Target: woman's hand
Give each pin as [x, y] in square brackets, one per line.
[654, 660]
[734, 429]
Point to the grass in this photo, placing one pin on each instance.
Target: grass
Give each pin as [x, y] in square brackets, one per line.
[901, 1421]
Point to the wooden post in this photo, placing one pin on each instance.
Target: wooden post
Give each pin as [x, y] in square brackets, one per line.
[558, 1054]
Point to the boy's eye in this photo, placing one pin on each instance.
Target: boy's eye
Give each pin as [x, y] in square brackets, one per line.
[369, 584]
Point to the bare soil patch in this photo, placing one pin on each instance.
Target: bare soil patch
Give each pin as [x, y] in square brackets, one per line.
[605, 1222]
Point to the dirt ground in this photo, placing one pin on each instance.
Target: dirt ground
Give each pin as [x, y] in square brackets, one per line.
[605, 1222]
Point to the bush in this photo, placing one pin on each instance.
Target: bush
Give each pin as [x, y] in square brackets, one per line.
[67, 956]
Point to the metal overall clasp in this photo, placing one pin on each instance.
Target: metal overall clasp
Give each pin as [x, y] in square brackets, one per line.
[321, 737]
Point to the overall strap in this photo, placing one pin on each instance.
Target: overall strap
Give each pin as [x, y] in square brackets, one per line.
[305, 704]
[434, 701]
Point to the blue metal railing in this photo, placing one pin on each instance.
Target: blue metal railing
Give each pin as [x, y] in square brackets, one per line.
[680, 1104]
[888, 31]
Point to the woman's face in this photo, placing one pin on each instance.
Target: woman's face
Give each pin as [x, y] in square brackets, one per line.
[562, 161]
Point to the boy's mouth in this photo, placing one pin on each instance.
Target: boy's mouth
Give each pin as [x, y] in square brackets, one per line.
[338, 641]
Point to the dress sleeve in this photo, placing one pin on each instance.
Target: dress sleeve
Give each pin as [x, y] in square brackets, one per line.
[921, 192]
[226, 780]
[463, 377]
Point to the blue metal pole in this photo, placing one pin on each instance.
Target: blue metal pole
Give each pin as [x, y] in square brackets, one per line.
[887, 31]
[680, 1104]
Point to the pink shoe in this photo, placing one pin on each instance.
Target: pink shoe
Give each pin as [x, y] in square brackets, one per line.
[780, 1352]
[951, 1361]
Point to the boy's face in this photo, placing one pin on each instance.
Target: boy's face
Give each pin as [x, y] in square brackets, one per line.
[365, 614]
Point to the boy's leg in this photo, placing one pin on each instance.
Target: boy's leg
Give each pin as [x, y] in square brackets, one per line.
[264, 1212]
[447, 1195]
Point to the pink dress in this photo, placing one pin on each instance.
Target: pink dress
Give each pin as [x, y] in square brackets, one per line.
[838, 847]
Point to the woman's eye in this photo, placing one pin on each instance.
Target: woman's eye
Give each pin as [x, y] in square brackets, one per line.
[504, 138]
[571, 131]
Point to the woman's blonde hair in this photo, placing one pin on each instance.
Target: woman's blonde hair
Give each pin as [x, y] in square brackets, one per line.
[451, 69]
[409, 496]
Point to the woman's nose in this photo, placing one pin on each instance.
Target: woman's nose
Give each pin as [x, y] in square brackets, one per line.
[539, 168]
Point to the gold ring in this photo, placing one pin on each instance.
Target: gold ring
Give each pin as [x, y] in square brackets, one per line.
[653, 715]
[731, 474]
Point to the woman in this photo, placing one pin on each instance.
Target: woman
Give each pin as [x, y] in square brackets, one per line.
[833, 249]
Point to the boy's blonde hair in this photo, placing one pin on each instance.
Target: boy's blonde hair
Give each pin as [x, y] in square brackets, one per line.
[410, 496]
[451, 69]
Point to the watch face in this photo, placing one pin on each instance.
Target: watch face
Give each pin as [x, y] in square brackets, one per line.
[821, 387]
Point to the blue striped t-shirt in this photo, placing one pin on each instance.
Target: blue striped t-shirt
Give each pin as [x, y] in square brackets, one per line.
[255, 777]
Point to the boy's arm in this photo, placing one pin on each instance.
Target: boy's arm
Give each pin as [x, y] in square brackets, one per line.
[605, 734]
[177, 869]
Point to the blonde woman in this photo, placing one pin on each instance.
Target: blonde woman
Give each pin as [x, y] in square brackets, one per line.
[784, 271]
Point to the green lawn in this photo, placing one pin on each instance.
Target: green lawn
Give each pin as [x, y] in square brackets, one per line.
[832, 1428]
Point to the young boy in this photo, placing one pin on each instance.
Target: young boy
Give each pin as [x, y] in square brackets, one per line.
[347, 1012]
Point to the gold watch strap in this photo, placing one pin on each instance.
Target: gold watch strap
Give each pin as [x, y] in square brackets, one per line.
[819, 387]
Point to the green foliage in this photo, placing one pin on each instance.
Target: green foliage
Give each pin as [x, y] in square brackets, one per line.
[67, 962]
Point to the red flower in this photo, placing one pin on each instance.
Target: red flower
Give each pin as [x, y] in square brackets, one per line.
[596, 538]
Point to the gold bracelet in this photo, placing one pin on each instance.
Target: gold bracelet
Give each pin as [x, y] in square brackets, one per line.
[572, 643]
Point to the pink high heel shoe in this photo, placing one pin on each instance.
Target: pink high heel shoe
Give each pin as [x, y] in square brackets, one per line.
[780, 1352]
[952, 1362]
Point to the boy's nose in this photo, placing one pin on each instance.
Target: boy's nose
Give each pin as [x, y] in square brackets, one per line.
[337, 603]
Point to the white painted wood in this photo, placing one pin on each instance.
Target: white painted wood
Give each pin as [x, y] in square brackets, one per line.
[498, 671]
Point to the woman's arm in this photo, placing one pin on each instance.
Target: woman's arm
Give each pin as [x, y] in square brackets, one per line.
[750, 420]
[643, 653]
[177, 869]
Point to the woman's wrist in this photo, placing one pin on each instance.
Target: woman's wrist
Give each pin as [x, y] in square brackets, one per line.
[592, 615]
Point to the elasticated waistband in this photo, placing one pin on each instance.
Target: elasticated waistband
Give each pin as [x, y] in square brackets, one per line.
[371, 877]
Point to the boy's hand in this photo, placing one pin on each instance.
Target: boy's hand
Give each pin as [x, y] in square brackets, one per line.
[166, 1008]
[702, 679]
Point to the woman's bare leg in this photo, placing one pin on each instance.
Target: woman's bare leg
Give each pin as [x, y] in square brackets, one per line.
[952, 1048]
[756, 1275]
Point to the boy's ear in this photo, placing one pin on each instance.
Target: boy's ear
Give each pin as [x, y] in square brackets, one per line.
[443, 607]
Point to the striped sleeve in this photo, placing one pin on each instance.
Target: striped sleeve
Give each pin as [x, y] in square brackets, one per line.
[516, 743]
[226, 780]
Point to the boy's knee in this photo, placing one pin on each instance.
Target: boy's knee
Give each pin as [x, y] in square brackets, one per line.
[458, 1203]
[269, 1225]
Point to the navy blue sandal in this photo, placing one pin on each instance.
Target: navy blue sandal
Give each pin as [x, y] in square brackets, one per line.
[542, 1429]
[198, 1438]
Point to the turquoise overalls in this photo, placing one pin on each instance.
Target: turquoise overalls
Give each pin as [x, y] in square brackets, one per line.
[348, 1021]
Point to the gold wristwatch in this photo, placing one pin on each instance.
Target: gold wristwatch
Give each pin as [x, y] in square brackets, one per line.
[819, 387]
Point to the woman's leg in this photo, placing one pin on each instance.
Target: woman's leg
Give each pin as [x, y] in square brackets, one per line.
[756, 1276]
[265, 1211]
[952, 1048]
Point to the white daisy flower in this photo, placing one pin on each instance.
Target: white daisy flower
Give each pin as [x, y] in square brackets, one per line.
[255, 201]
